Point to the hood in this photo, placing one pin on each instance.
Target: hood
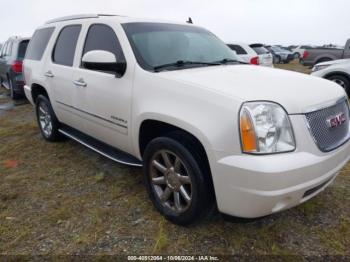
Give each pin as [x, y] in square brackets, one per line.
[335, 62]
[296, 92]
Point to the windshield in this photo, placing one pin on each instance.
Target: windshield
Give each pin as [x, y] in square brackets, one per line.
[158, 44]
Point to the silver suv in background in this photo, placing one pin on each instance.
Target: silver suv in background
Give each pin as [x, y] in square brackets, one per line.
[11, 58]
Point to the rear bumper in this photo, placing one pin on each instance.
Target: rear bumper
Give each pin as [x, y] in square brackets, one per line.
[28, 93]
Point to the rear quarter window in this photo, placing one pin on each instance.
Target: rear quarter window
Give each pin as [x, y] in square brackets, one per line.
[38, 43]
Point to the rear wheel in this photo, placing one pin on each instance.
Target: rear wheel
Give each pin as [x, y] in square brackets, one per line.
[177, 184]
[342, 81]
[47, 119]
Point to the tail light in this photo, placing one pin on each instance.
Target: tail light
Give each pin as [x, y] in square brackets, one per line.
[255, 60]
[305, 54]
[17, 66]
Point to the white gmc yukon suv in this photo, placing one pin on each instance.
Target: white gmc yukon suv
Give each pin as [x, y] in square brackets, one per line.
[208, 130]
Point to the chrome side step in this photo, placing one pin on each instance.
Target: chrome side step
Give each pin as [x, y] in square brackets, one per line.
[100, 147]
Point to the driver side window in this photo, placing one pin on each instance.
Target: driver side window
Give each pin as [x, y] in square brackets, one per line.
[103, 37]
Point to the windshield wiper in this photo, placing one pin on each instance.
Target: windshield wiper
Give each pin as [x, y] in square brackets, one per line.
[229, 60]
[182, 63]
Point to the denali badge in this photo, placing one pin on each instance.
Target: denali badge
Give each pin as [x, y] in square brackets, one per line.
[337, 120]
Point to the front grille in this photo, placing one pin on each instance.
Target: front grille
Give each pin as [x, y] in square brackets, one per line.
[326, 137]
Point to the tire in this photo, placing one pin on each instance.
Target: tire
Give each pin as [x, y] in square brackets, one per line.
[195, 181]
[296, 56]
[46, 118]
[342, 81]
[13, 94]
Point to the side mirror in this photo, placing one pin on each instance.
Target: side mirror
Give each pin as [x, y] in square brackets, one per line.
[101, 60]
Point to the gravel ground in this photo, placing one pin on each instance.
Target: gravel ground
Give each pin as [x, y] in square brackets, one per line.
[61, 198]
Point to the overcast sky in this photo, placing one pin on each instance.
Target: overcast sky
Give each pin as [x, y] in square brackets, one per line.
[267, 21]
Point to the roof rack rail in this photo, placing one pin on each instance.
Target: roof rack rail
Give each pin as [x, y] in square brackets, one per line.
[71, 17]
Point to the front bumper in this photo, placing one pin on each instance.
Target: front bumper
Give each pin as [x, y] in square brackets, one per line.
[252, 186]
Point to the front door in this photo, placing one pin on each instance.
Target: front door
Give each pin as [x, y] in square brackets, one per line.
[104, 99]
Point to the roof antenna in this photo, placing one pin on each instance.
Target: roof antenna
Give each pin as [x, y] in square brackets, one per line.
[189, 21]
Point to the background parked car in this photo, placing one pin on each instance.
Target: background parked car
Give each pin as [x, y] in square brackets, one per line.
[265, 57]
[0, 47]
[280, 55]
[323, 54]
[299, 50]
[11, 58]
[245, 52]
[337, 71]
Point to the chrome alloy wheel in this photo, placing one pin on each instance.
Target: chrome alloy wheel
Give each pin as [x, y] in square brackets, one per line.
[339, 82]
[45, 119]
[171, 181]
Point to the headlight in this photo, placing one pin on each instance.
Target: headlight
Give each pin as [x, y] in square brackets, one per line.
[319, 67]
[265, 128]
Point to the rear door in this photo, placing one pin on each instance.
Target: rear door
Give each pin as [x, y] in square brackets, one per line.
[59, 75]
[104, 102]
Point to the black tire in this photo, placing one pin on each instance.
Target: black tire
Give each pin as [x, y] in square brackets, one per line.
[42, 102]
[202, 195]
[296, 56]
[342, 81]
[13, 94]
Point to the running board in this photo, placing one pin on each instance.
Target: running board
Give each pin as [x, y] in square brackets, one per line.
[100, 147]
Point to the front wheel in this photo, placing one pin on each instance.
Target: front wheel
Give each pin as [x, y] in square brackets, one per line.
[176, 183]
[47, 119]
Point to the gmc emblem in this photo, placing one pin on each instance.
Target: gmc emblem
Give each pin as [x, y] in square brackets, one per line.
[336, 120]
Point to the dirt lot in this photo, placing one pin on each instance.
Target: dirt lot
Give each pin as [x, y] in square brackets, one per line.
[61, 198]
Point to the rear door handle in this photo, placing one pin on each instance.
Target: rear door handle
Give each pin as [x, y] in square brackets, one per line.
[49, 74]
[80, 82]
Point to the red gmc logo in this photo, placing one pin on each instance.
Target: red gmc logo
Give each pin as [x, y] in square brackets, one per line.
[336, 120]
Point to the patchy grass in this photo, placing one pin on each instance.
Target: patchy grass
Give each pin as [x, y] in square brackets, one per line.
[61, 198]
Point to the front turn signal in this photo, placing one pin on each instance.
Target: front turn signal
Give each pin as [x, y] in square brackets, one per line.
[248, 137]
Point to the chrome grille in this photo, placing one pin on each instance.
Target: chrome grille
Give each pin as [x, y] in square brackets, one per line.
[326, 137]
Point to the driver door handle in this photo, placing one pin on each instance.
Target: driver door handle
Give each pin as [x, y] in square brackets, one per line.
[49, 74]
[80, 82]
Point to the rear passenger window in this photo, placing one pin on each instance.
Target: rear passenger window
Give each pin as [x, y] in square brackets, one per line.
[102, 37]
[239, 50]
[38, 43]
[22, 49]
[64, 50]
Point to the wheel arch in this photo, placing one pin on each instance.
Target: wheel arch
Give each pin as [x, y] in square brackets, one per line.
[341, 73]
[36, 90]
[152, 128]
